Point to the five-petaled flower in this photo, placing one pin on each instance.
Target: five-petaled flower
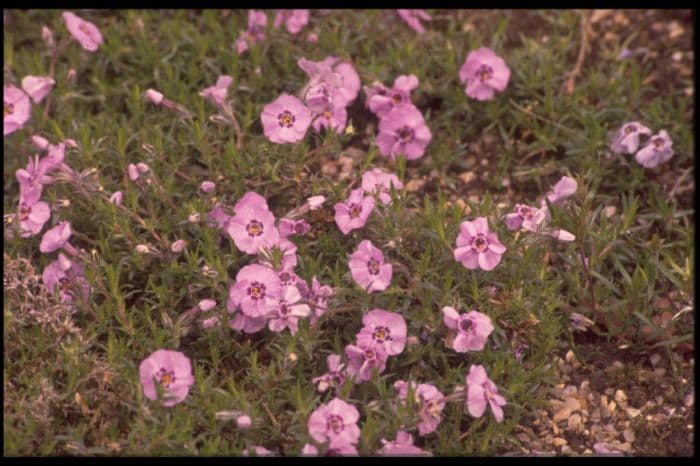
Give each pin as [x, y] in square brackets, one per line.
[379, 182]
[17, 109]
[657, 151]
[362, 359]
[289, 311]
[172, 371]
[368, 268]
[430, 402]
[626, 140]
[385, 328]
[252, 226]
[484, 73]
[525, 217]
[473, 329]
[257, 291]
[334, 378]
[336, 423]
[285, 120]
[85, 32]
[480, 390]
[477, 246]
[403, 131]
[383, 100]
[353, 213]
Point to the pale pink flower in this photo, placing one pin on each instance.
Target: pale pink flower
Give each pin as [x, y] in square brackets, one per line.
[312, 38]
[413, 17]
[116, 198]
[220, 217]
[288, 227]
[525, 217]
[257, 23]
[383, 100]
[403, 131]
[368, 268]
[178, 246]
[477, 246]
[379, 182]
[334, 119]
[257, 450]
[402, 446]
[171, 370]
[362, 359]
[55, 238]
[564, 188]
[657, 151]
[64, 276]
[294, 20]
[315, 202]
[207, 186]
[32, 217]
[154, 96]
[285, 120]
[252, 226]
[257, 291]
[217, 93]
[562, 235]
[318, 297]
[382, 327]
[430, 402]
[243, 422]
[484, 73]
[206, 304]
[473, 329]
[289, 311]
[133, 172]
[626, 140]
[285, 248]
[85, 32]
[480, 390]
[336, 423]
[32, 179]
[37, 87]
[18, 109]
[353, 213]
[334, 378]
[40, 142]
[247, 324]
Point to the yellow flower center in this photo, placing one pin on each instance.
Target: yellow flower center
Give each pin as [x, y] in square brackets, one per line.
[286, 119]
[254, 228]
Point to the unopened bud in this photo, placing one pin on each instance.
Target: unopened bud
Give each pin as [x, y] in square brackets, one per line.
[133, 172]
[142, 167]
[142, 249]
[315, 202]
[47, 35]
[70, 76]
[207, 186]
[178, 246]
[244, 422]
[40, 142]
[154, 96]
[116, 198]
[206, 304]
[193, 218]
[210, 322]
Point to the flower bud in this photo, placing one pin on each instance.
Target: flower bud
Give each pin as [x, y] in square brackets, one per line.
[243, 422]
[142, 249]
[207, 186]
[178, 246]
[193, 218]
[154, 96]
[206, 304]
[116, 198]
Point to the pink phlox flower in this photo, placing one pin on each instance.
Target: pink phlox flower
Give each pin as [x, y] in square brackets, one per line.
[335, 119]
[206, 304]
[116, 198]
[381, 103]
[484, 73]
[257, 291]
[657, 151]
[217, 93]
[343, 449]
[473, 329]
[403, 131]
[478, 247]
[315, 202]
[402, 446]
[317, 295]
[63, 276]
[430, 402]
[288, 227]
[85, 32]
[18, 109]
[257, 23]
[37, 87]
[32, 217]
[287, 277]
[334, 378]
[413, 17]
[252, 226]
[379, 182]
[312, 38]
[362, 359]
[294, 20]
[350, 87]
[250, 199]
[562, 235]
[171, 370]
[40, 142]
[526, 217]
[385, 328]
[247, 324]
[55, 238]
[220, 217]
[285, 120]
[626, 140]
[336, 423]
[353, 213]
[332, 85]
[289, 311]
[207, 186]
[368, 268]
[285, 248]
[32, 179]
[480, 390]
[564, 188]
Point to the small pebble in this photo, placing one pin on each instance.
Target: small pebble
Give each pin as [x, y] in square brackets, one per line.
[558, 442]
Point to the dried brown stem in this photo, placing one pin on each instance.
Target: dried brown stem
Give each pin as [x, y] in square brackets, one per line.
[573, 74]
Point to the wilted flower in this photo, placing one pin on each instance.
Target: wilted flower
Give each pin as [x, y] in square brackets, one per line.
[626, 140]
[363, 358]
[217, 93]
[656, 152]
[477, 246]
[32, 217]
[382, 327]
[257, 291]
[285, 120]
[526, 217]
[473, 329]
[403, 132]
[484, 73]
[220, 217]
[336, 423]
[480, 390]
[430, 402]
[171, 370]
[402, 446]
[294, 20]
[381, 103]
[253, 226]
[32, 179]
[564, 188]
[85, 32]
[17, 109]
[318, 296]
[55, 238]
[37, 87]
[67, 274]
[378, 181]
[413, 17]
[289, 311]
[368, 268]
[580, 322]
[334, 378]
[353, 213]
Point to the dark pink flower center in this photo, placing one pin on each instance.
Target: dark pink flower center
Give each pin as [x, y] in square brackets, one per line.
[405, 134]
[658, 143]
[254, 228]
[284, 309]
[484, 72]
[355, 210]
[466, 325]
[369, 354]
[165, 377]
[336, 377]
[381, 333]
[396, 98]
[335, 423]
[630, 129]
[286, 119]
[285, 277]
[9, 109]
[527, 212]
[479, 243]
[299, 228]
[373, 266]
[24, 211]
[257, 290]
